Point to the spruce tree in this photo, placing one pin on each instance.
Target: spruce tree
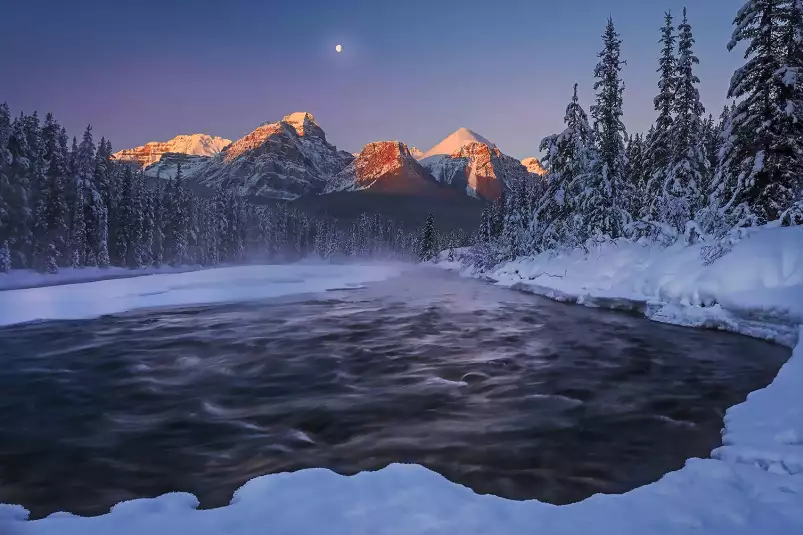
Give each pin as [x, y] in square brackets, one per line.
[569, 157]
[603, 197]
[683, 191]
[427, 239]
[5, 257]
[759, 176]
[660, 140]
[54, 213]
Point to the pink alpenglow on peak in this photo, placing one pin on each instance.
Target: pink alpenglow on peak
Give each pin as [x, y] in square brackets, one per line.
[457, 140]
[191, 144]
[534, 166]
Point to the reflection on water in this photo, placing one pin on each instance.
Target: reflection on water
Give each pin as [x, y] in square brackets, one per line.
[503, 392]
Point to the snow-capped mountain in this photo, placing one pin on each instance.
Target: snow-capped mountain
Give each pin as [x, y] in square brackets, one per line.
[277, 160]
[475, 165]
[192, 144]
[387, 166]
[455, 141]
[416, 153]
[533, 165]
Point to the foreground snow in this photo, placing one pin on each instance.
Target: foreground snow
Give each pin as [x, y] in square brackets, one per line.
[753, 484]
[93, 299]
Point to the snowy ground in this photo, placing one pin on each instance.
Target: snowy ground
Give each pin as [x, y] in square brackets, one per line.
[19, 279]
[93, 299]
[752, 485]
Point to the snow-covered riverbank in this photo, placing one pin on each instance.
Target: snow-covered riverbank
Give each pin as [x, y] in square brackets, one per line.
[21, 279]
[243, 283]
[752, 484]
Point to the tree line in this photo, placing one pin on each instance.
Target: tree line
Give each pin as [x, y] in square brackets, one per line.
[72, 205]
[691, 176]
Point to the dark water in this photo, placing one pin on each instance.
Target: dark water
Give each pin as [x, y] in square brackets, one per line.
[503, 392]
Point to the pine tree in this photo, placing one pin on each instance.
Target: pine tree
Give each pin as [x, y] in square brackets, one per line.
[637, 173]
[17, 226]
[5, 257]
[603, 195]
[682, 193]
[569, 157]
[660, 140]
[427, 240]
[54, 201]
[759, 176]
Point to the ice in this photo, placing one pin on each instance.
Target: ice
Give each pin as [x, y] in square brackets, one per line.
[93, 299]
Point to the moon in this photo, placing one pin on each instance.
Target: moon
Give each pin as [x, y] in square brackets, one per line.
[339, 48]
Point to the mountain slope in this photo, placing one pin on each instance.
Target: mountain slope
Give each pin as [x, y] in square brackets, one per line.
[192, 144]
[388, 166]
[481, 170]
[281, 160]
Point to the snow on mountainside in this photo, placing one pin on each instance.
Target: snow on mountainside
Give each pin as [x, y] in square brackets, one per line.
[533, 165]
[455, 141]
[280, 160]
[388, 166]
[193, 144]
[482, 170]
[416, 153]
[167, 166]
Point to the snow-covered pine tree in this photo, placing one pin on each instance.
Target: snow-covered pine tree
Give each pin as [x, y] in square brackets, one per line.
[179, 220]
[683, 191]
[427, 239]
[125, 220]
[5, 162]
[5, 257]
[17, 227]
[569, 157]
[602, 196]
[637, 174]
[659, 140]
[78, 241]
[759, 175]
[55, 210]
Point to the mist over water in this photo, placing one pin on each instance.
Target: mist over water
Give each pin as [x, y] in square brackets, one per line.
[506, 393]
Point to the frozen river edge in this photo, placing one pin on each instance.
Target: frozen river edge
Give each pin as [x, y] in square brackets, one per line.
[753, 484]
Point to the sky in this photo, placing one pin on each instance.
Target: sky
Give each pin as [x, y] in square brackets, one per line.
[413, 71]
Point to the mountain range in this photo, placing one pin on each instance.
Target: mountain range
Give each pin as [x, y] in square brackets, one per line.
[291, 159]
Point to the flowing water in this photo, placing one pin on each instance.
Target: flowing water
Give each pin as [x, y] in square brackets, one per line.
[503, 392]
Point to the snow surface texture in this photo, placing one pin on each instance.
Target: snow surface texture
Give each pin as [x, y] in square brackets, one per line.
[752, 485]
[455, 141]
[78, 301]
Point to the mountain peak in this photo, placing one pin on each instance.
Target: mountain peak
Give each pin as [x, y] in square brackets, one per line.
[457, 140]
[304, 124]
[191, 144]
[533, 165]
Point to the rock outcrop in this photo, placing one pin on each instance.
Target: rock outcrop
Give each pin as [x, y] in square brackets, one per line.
[386, 166]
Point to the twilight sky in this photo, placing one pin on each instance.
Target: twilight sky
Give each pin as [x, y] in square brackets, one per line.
[415, 70]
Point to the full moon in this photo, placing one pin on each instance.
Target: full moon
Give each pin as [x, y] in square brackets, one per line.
[339, 48]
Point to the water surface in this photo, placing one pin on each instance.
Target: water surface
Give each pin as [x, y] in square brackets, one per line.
[504, 392]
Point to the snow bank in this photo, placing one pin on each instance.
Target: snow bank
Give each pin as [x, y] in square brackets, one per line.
[19, 279]
[752, 485]
[755, 289]
[77, 301]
